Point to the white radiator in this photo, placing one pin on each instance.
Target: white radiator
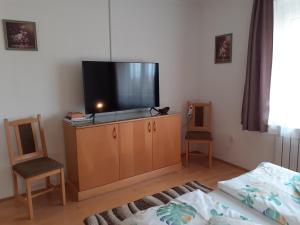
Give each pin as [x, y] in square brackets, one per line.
[287, 153]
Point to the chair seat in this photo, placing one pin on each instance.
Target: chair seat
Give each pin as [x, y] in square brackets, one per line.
[198, 135]
[36, 167]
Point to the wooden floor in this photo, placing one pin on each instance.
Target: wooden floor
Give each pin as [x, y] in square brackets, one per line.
[47, 210]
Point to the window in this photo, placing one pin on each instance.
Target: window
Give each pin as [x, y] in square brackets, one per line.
[285, 82]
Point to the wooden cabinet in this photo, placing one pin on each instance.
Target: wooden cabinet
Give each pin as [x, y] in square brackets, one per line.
[135, 147]
[98, 157]
[108, 156]
[166, 141]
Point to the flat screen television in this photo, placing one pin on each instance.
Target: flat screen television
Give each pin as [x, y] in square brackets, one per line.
[117, 86]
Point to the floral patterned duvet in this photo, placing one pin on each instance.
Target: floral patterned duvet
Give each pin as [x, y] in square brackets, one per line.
[191, 209]
[269, 189]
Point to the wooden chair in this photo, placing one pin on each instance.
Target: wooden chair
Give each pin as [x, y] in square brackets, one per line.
[199, 129]
[29, 158]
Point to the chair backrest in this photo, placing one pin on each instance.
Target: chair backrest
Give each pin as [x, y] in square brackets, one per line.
[30, 139]
[201, 117]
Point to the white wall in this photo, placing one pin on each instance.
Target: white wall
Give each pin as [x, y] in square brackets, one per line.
[154, 31]
[223, 84]
[49, 81]
[177, 34]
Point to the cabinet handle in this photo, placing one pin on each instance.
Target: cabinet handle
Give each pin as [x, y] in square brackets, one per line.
[154, 126]
[149, 127]
[114, 133]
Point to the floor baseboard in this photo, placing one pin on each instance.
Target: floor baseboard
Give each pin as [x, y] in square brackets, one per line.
[217, 158]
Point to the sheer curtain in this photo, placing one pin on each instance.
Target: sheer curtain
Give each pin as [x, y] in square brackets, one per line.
[285, 81]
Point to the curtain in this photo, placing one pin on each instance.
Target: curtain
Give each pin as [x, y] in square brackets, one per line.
[255, 109]
[285, 83]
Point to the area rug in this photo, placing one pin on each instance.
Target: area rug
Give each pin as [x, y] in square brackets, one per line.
[117, 215]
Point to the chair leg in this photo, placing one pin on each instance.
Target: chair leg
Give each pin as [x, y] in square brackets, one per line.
[15, 184]
[210, 154]
[62, 187]
[187, 152]
[29, 199]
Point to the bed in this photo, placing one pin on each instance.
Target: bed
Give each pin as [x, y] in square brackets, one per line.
[268, 195]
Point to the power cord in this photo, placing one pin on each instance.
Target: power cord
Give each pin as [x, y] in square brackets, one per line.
[151, 109]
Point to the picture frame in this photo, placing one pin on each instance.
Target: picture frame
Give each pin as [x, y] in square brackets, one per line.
[223, 48]
[20, 35]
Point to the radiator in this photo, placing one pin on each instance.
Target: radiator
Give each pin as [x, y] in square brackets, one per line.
[287, 153]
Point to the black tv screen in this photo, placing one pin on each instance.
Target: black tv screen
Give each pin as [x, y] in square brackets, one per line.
[116, 86]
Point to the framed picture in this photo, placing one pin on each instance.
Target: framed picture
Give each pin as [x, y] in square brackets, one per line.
[223, 48]
[20, 35]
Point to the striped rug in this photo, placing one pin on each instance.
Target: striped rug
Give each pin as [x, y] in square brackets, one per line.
[117, 215]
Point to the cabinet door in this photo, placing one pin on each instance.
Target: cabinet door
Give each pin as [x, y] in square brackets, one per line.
[135, 146]
[98, 157]
[166, 141]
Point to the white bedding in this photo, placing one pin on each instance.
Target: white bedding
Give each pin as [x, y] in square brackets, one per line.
[269, 189]
[221, 220]
[272, 191]
[235, 204]
[194, 208]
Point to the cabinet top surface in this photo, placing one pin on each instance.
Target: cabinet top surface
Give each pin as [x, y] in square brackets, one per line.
[115, 118]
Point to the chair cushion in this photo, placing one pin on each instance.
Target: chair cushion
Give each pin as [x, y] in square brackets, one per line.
[198, 135]
[36, 167]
